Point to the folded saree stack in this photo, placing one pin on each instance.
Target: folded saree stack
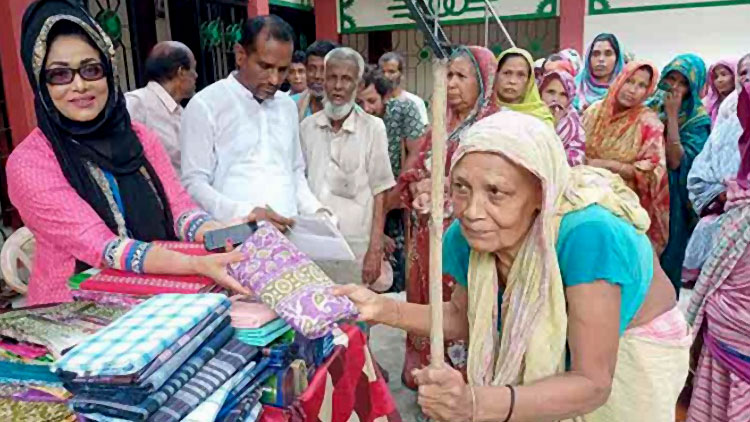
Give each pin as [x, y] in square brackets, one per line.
[30, 341]
[171, 358]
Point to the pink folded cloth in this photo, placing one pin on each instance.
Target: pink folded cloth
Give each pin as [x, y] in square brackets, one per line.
[25, 350]
[249, 312]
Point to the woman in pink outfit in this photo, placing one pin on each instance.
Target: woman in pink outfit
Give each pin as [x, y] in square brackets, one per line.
[95, 189]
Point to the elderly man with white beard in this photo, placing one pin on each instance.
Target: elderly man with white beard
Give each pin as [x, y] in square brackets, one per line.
[348, 167]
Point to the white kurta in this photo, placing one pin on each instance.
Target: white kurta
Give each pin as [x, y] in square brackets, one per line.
[239, 154]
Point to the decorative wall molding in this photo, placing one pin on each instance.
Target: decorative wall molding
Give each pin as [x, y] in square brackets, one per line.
[604, 7]
[389, 15]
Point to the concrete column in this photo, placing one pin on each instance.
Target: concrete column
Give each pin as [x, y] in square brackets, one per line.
[326, 20]
[18, 94]
[257, 8]
[572, 16]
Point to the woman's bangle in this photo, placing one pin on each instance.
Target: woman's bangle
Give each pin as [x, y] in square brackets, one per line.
[512, 402]
[473, 404]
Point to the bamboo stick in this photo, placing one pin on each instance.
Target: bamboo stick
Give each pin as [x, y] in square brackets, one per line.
[439, 97]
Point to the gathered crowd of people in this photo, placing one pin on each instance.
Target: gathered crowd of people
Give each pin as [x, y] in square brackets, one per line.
[583, 194]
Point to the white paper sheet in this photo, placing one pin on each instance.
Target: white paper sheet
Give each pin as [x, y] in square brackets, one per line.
[318, 237]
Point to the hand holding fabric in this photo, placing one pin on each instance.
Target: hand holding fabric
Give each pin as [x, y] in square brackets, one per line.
[215, 267]
[371, 306]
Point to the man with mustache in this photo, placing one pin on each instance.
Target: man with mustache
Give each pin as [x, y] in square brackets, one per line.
[240, 135]
[349, 169]
[310, 101]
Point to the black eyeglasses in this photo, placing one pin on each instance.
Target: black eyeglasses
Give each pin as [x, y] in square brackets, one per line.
[65, 75]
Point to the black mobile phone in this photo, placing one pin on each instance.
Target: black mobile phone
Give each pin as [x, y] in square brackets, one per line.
[216, 240]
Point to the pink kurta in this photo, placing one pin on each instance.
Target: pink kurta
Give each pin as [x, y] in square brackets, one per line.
[64, 225]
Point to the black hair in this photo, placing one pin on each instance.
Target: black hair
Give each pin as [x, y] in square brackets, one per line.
[163, 65]
[320, 49]
[611, 39]
[510, 55]
[393, 56]
[278, 29]
[299, 56]
[374, 76]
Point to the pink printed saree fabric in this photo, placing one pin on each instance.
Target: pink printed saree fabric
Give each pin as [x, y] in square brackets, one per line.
[287, 280]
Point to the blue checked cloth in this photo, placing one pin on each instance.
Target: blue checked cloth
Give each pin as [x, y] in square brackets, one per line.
[228, 361]
[134, 340]
[142, 411]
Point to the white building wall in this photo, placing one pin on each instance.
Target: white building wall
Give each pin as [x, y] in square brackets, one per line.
[711, 32]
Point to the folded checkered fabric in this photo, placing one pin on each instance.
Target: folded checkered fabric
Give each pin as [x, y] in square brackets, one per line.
[217, 313]
[135, 391]
[209, 409]
[244, 408]
[233, 356]
[136, 394]
[287, 280]
[253, 383]
[135, 339]
[142, 411]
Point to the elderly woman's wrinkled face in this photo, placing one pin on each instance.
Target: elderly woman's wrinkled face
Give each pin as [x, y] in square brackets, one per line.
[463, 85]
[75, 78]
[743, 72]
[495, 200]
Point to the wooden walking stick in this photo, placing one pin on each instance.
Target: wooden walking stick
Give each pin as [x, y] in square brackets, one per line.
[439, 96]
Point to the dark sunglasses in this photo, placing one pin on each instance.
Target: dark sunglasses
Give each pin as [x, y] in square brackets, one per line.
[65, 75]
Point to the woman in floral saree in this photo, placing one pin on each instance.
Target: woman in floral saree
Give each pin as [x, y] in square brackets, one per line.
[627, 138]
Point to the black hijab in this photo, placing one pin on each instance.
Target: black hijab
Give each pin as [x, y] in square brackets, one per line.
[108, 141]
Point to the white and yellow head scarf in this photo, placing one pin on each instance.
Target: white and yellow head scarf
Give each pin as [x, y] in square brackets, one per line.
[534, 318]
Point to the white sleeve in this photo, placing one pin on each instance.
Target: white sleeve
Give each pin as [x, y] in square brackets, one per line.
[421, 107]
[198, 146]
[307, 203]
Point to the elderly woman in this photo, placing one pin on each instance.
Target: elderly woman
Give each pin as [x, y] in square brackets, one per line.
[515, 86]
[721, 83]
[719, 308]
[686, 128]
[626, 137]
[95, 189]
[470, 74]
[604, 62]
[546, 257]
[558, 90]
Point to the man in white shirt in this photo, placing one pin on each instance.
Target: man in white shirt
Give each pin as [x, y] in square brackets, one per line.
[240, 135]
[392, 64]
[346, 151]
[170, 69]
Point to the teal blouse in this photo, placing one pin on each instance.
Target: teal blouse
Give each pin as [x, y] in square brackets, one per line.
[593, 244]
